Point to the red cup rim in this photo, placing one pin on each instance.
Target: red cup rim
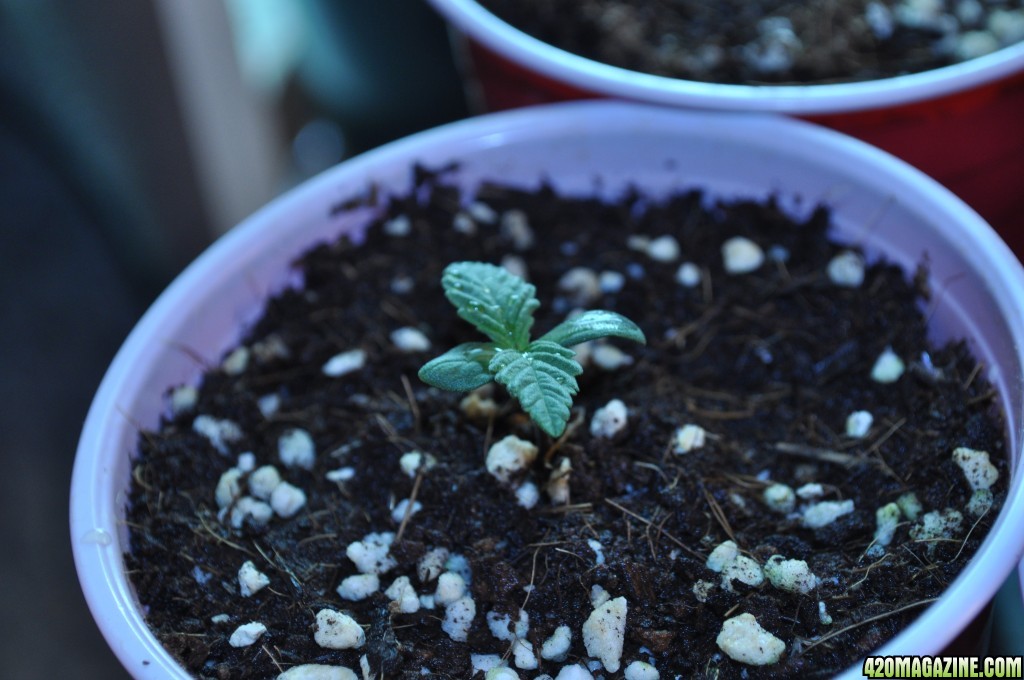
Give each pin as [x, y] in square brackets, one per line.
[473, 20]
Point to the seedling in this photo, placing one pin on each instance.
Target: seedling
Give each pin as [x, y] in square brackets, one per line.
[540, 373]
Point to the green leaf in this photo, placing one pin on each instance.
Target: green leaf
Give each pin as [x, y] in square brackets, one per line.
[543, 379]
[593, 325]
[497, 302]
[461, 368]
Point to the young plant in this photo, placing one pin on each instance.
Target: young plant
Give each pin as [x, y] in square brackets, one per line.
[540, 373]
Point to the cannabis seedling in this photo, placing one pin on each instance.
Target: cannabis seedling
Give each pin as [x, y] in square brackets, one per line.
[540, 373]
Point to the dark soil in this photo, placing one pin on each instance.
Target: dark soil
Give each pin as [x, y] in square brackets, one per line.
[767, 41]
[769, 363]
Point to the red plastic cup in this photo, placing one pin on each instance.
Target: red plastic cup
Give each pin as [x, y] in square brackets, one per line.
[962, 124]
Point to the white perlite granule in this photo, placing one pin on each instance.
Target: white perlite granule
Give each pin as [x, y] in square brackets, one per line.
[219, 432]
[229, 487]
[609, 357]
[344, 363]
[527, 495]
[269, 404]
[887, 518]
[910, 506]
[609, 420]
[287, 500]
[744, 640]
[404, 595]
[780, 498]
[688, 438]
[450, 587]
[340, 475]
[358, 587]
[458, 617]
[888, 367]
[557, 487]
[702, 590]
[501, 673]
[414, 462]
[295, 448]
[317, 671]
[611, 281]
[247, 634]
[370, 555]
[236, 362]
[821, 514]
[263, 481]
[935, 524]
[556, 647]
[409, 339]
[246, 461]
[510, 456]
[823, 615]
[722, 556]
[183, 399]
[478, 407]
[743, 569]
[688, 275]
[858, 424]
[641, 670]
[604, 632]
[402, 509]
[574, 672]
[251, 579]
[515, 226]
[790, 575]
[398, 226]
[247, 507]
[846, 269]
[431, 564]
[335, 630]
[741, 255]
[581, 286]
[483, 663]
[663, 249]
[810, 491]
[977, 467]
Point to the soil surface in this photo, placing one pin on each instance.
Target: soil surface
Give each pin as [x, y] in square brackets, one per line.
[771, 41]
[769, 363]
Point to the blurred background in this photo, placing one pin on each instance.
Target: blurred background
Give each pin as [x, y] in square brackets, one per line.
[132, 134]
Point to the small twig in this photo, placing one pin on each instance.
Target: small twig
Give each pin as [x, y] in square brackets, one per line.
[266, 651]
[825, 455]
[974, 374]
[409, 506]
[565, 509]
[646, 521]
[716, 511]
[570, 429]
[871, 619]
[414, 407]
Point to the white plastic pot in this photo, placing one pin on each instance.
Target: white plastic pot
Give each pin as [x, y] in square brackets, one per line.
[877, 200]
[961, 124]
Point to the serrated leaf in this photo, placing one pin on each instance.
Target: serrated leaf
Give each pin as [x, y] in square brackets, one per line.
[461, 368]
[543, 379]
[494, 300]
[593, 325]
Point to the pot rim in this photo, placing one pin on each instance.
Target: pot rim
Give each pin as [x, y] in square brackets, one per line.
[97, 489]
[588, 75]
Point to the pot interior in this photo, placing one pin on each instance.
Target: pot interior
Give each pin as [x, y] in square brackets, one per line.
[586, 148]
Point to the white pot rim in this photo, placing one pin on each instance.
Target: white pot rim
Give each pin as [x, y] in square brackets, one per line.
[97, 494]
[469, 17]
